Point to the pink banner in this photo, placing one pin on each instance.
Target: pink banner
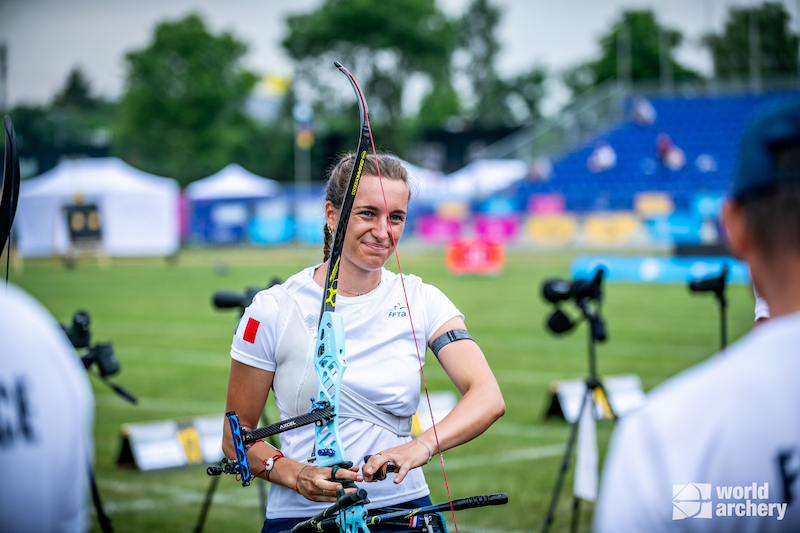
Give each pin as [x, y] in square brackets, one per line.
[503, 229]
[435, 229]
[546, 203]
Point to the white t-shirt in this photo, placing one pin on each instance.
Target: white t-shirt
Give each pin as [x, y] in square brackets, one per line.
[382, 366]
[46, 419]
[713, 446]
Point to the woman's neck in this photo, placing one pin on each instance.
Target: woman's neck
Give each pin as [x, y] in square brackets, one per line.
[352, 281]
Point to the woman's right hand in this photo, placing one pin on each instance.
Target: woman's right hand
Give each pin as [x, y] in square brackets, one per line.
[315, 484]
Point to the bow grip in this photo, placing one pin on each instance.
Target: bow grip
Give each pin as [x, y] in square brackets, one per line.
[380, 475]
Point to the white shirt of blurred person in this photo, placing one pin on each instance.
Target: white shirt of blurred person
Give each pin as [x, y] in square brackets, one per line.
[643, 112]
[274, 350]
[670, 155]
[602, 158]
[717, 448]
[46, 419]
[540, 170]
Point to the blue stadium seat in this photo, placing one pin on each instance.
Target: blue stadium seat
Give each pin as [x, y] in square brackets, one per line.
[698, 126]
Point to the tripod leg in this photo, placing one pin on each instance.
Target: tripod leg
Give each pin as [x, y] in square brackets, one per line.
[102, 517]
[576, 514]
[573, 435]
[201, 520]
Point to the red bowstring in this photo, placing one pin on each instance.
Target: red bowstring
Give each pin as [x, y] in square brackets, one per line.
[405, 295]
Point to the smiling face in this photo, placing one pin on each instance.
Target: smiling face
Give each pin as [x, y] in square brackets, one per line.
[368, 242]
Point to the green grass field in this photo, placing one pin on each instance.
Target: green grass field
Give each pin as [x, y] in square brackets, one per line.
[173, 347]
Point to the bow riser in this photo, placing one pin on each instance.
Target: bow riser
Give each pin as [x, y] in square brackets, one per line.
[330, 365]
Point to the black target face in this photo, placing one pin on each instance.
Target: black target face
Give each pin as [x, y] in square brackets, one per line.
[9, 183]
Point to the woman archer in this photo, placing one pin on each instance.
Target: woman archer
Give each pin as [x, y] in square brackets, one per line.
[273, 349]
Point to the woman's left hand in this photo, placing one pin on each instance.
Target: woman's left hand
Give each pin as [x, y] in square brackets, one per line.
[405, 457]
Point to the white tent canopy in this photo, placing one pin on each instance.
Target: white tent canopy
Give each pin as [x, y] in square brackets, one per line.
[425, 184]
[138, 211]
[483, 177]
[231, 182]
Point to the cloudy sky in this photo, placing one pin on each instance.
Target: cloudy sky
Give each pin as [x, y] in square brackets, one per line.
[46, 38]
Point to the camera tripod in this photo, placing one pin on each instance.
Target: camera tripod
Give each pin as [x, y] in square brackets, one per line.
[716, 285]
[594, 388]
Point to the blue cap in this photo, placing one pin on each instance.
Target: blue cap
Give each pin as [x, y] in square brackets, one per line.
[769, 153]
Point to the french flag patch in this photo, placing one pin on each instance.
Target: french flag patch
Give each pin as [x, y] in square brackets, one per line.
[250, 330]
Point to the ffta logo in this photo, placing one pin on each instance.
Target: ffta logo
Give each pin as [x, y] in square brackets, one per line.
[691, 501]
[398, 310]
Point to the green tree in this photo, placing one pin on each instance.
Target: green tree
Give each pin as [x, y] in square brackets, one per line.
[382, 43]
[643, 34]
[478, 28]
[441, 103]
[73, 120]
[33, 126]
[528, 88]
[182, 113]
[777, 49]
[76, 93]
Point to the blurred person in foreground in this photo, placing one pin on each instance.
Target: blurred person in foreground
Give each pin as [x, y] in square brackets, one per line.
[273, 349]
[46, 422]
[717, 448]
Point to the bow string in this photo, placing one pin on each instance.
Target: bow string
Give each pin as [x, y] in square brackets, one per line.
[365, 121]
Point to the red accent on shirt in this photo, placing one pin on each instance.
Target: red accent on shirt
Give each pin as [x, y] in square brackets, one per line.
[250, 330]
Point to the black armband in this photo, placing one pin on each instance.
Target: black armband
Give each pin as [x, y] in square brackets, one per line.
[446, 338]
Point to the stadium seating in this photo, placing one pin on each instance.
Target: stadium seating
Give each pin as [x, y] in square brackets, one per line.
[706, 129]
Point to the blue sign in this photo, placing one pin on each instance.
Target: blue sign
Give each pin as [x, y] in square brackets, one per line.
[655, 269]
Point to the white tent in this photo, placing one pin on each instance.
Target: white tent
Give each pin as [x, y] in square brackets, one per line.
[221, 206]
[425, 184]
[138, 211]
[232, 182]
[483, 177]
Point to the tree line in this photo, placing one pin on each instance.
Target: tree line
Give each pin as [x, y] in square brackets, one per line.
[183, 109]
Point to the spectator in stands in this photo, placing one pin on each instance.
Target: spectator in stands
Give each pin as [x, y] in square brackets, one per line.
[540, 170]
[602, 158]
[718, 447]
[670, 155]
[706, 163]
[643, 113]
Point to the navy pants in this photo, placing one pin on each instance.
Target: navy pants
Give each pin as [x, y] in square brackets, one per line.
[276, 525]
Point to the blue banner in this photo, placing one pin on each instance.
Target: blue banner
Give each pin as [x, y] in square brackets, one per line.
[654, 269]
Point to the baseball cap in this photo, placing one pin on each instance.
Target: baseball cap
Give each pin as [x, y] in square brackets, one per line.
[769, 153]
